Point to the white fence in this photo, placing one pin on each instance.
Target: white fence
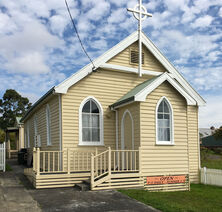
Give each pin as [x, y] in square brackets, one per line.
[211, 176]
[2, 156]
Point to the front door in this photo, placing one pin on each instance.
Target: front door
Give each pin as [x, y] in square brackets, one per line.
[127, 140]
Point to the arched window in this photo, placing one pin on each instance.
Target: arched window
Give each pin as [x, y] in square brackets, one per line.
[48, 125]
[91, 122]
[164, 122]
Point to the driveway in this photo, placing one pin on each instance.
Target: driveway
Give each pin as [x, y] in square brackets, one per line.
[17, 194]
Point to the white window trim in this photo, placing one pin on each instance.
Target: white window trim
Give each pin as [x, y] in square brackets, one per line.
[81, 143]
[48, 125]
[171, 142]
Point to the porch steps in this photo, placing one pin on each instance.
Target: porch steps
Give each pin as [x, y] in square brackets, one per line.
[121, 180]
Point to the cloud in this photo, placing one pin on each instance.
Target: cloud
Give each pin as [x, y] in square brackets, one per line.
[202, 22]
[32, 63]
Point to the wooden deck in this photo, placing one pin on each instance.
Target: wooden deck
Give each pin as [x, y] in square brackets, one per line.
[110, 169]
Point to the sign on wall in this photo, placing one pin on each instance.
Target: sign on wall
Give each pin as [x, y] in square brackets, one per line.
[159, 180]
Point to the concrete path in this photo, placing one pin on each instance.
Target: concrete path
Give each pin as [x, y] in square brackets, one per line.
[17, 194]
[13, 195]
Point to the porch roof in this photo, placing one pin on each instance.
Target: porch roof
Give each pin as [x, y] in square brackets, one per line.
[140, 92]
[130, 96]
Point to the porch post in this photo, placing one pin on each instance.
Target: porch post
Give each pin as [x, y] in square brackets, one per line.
[68, 161]
[109, 161]
[92, 170]
[140, 160]
[96, 160]
[34, 159]
[38, 162]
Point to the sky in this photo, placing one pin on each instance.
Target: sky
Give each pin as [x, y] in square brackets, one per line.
[39, 49]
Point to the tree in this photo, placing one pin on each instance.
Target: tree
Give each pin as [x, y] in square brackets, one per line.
[12, 105]
[218, 133]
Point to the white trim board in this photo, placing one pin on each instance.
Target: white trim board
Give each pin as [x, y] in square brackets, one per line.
[100, 61]
[141, 96]
[128, 69]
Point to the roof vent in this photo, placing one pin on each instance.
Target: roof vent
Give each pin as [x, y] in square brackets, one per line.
[134, 57]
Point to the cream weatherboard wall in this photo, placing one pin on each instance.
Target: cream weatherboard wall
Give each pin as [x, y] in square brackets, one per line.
[180, 158]
[192, 123]
[40, 114]
[107, 87]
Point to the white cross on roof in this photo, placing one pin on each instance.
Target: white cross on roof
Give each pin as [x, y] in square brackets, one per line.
[140, 13]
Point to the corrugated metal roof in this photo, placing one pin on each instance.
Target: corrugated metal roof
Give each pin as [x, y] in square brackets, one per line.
[128, 97]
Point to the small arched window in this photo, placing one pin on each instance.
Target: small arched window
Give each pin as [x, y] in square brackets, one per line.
[91, 122]
[48, 125]
[164, 122]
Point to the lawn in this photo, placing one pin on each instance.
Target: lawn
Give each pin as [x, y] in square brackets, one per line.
[210, 159]
[201, 198]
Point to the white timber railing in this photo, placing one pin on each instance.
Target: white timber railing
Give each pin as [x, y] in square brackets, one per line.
[109, 162]
[2, 156]
[211, 176]
[61, 161]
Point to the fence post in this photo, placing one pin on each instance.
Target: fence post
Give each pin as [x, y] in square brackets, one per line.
[38, 162]
[68, 161]
[96, 160]
[92, 171]
[140, 160]
[109, 161]
[205, 175]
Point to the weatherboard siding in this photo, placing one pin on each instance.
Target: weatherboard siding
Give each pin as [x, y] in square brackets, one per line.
[163, 159]
[150, 62]
[192, 112]
[107, 87]
[40, 113]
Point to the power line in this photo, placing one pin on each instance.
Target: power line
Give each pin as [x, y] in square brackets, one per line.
[74, 26]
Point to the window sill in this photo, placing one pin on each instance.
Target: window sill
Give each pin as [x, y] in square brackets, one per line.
[91, 145]
[165, 144]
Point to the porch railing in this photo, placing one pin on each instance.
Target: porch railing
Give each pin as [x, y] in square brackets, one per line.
[61, 161]
[112, 161]
[99, 164]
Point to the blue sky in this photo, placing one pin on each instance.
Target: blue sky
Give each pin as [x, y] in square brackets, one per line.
[38, 48]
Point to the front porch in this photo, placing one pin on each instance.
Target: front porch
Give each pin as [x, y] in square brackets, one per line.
[108, 169]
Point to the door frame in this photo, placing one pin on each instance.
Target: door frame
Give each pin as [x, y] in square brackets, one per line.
[122, 133]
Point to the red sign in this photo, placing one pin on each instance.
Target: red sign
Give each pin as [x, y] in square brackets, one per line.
[157, 180]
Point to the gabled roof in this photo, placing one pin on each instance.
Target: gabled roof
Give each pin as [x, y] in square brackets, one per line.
[140, 92]
[101, 61]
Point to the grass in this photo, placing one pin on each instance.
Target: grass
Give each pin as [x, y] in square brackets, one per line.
[202, 198]
[8, 168]
[210, 159]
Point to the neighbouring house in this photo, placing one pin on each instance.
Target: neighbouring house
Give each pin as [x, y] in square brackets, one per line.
[114, 128]
[211, 142]
[12, 147]
[204, 132]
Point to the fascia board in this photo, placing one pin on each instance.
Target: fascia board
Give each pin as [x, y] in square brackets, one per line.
[163, 60]
[141, 96]
[64, 86]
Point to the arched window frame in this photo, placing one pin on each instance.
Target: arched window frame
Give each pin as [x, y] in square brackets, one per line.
[84, 143]
[48, 125]
[171, 142]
